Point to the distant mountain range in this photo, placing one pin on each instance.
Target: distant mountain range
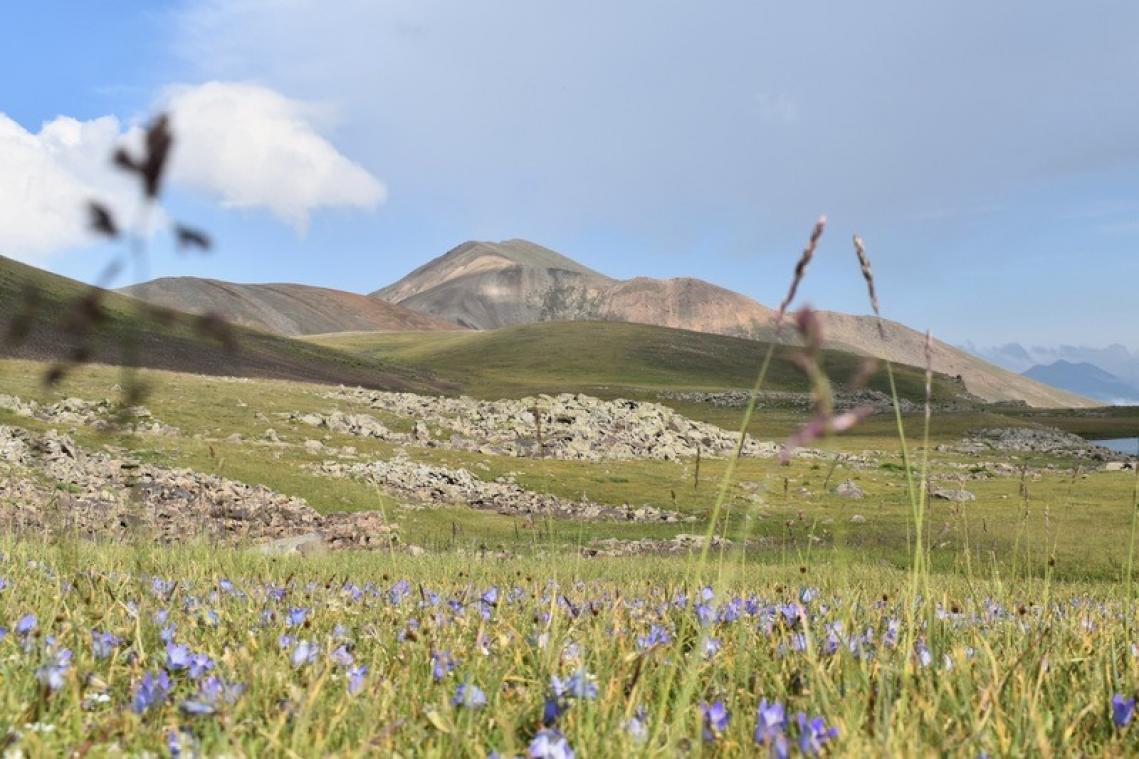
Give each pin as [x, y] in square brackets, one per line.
[1086, 379]
[1114, 359]
[484, 285]
[283, 309]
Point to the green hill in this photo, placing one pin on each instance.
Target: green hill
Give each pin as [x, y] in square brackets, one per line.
[599, 356]
[39, 305]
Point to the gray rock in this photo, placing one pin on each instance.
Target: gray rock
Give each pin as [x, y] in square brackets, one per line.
[953, 494]
[848, 489]
[309, 543]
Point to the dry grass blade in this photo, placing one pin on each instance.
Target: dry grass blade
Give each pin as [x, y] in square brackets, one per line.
[868, 275]
[800, 271]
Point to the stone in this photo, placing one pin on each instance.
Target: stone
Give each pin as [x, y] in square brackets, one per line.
[953, 494]
[858, 519]
[271, 436]
[313, 446]
[309, 543]
[848, 489]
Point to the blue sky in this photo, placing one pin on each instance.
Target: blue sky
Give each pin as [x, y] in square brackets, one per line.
[988, 153]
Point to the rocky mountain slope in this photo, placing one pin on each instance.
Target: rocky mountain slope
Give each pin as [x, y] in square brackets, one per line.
[283, 309]
[38, 311]
[486, 285]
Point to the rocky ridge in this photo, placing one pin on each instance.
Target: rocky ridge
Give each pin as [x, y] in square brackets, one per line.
[50, 483]
[565, 426]
[101, 415]
[441, 486]
[1048, 441]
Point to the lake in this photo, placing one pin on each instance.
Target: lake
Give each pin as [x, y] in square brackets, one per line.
[1126, 445]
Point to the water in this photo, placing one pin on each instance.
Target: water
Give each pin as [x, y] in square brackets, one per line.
[1126, 445]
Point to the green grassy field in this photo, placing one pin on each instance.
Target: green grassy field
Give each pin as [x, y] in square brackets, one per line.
[191, 651]
[39, 310]
[607, 357]
[1079, 519]
[1012, 639]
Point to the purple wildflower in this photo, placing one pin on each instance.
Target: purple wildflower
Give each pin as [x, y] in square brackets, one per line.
[26, 624]
[53, 673]
[177, 657]
[103, 644]
[200, 665]
[1122, 710]
[549, 744]
[814, 734]
[658, 636]
[304, 654]
[579, 685]
[770, 722]
[342, 657]
[356, 677]
[716, 719]
[469, 695]
[151, 691]
[441, 664]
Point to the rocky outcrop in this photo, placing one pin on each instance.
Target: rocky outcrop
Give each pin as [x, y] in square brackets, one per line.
[1046, 441]
[678, 544]
[101, 415]
[844, 400]
[47, 482]
[440, 486]
[577, 427]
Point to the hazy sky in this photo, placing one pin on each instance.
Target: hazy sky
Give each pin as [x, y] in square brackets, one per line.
[987, 152]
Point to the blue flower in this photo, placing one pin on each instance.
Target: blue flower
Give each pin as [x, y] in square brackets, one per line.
[578, 685]
[103, 644]
[658, 636]
[710, 646]
[342, 657]
[356, 677]
[177, 657]
[304, 653]
[200, 664]
[212, 694]
[814, 734]
[151, 691]
[469, 695]
[53, 673]
[1122, 710]
[637, 726]
[26, 624]
[770, 722]
[549, 744]
[296, 616]
[441, 664]
[716, 719]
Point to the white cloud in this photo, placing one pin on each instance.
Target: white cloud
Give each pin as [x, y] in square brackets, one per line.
[47, 177]
[252, 147]
[246, 145]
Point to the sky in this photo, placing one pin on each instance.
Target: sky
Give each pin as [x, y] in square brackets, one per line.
[988, 153]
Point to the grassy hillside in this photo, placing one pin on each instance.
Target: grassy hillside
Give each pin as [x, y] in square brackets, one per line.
[167, 339]
[607, 356]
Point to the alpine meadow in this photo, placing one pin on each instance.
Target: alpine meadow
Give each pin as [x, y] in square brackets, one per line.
[708, 486]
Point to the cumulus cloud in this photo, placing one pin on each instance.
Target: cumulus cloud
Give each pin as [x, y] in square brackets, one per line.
[246, 145]
[252, 147]
[47, 178]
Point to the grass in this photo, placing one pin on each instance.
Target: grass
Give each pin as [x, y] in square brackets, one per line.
[606, 359]
[166, 339]
[1004, 670]
[1018, 641]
